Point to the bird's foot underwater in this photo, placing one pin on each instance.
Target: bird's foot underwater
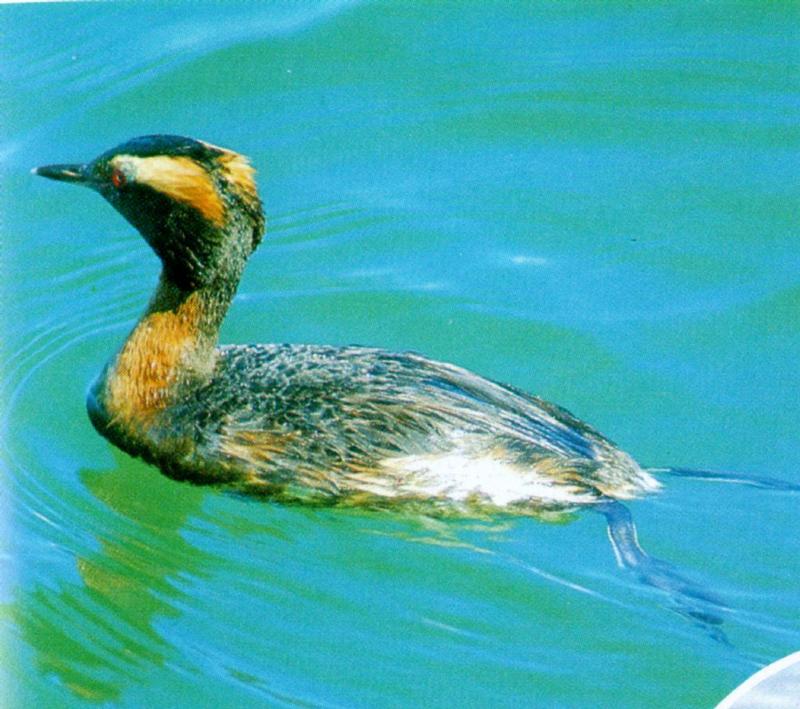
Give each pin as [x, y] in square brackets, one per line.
[687, 597]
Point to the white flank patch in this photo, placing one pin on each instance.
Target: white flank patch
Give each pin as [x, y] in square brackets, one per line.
[459, 476]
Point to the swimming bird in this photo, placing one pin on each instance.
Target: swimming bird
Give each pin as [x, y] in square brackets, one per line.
[314, 424]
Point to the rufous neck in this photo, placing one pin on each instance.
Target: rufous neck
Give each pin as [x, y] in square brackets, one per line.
[169, 352]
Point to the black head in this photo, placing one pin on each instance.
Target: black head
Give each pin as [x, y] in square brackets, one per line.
[196, 204]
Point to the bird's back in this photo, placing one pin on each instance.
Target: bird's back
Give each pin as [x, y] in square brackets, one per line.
[331, 424]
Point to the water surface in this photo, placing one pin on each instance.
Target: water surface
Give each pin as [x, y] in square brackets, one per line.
[597, 203]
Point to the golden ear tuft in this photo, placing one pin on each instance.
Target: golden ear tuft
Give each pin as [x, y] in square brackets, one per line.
[239, 173]
[236, 168]
[240, 176]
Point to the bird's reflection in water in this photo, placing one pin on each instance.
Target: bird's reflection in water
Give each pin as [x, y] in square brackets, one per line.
[99, 636]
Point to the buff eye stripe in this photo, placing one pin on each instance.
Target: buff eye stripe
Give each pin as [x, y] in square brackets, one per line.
[179, 178]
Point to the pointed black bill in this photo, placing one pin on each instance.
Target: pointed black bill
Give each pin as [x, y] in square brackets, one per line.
[63, 173]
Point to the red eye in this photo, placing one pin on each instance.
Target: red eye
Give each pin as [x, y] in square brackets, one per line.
[118, 178]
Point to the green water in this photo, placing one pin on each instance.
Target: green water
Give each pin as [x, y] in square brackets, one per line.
[594, 202]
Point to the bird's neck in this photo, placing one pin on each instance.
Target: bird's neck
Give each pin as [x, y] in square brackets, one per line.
[170, 352]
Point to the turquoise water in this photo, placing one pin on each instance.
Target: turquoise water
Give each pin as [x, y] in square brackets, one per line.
[595, 202]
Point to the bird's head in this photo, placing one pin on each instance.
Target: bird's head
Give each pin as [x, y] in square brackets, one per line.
[196, 204]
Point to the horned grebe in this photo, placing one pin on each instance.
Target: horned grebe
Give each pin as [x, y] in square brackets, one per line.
[308, 423]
